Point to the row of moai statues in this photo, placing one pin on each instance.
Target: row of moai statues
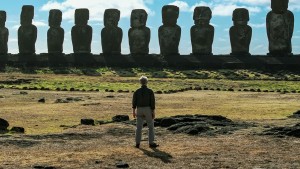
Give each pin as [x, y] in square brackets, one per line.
[280, 25]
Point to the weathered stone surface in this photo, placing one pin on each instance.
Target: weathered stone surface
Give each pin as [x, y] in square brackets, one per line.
[55, 34]
[3, 34]
[295, 115]
[280, 28]
[120, 118]
[111, 34]
[169, 33]
[122, 165]
[139, 34]
[87, 122]
[82, 33]
[3, 124]
[240, 33]
[18, 129]
[27, 33]
[202, 33]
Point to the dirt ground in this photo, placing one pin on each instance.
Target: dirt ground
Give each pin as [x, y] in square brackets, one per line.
[47, 143]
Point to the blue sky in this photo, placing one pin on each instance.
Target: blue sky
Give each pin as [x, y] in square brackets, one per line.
[222, 10]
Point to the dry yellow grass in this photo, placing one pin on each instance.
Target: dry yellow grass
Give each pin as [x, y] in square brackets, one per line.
[46, 143]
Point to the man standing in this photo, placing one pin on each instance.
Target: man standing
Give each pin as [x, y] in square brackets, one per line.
[143, 108]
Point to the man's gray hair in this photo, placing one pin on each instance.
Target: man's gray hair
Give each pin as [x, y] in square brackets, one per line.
[143, 80]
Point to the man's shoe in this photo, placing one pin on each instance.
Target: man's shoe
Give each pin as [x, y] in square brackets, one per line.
[153, 145]
[137, 146]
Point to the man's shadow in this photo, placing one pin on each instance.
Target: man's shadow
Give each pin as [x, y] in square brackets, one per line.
[163, 156]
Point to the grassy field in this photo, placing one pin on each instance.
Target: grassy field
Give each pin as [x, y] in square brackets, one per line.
[54, 137]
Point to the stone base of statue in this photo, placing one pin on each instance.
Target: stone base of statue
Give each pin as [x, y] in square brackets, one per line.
[240, 54]
[146, 60]
[84, 59]
[57, 59]
[3, 60]
[27, 59]
[118, 60]
[280, 54]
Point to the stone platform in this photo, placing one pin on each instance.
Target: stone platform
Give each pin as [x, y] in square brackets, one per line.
[153, 61]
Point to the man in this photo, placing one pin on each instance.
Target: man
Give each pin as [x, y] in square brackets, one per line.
[143, 108]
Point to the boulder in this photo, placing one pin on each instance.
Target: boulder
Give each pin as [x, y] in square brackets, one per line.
[42, 100]
[3, 124]
[120, 118]
[167, 122]
[87, 122]
[122, 165]
[17, 130]
[295, 115]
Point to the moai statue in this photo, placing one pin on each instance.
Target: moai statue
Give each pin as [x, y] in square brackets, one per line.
[3, 34]
[202, 33]
[169, 33]
[280, 28]
[240, 33]
[139, 34]
[55, 35]
[111, 34]
[27, 33]
[82, 33]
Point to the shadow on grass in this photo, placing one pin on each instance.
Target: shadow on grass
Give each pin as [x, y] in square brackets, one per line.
[156, 153]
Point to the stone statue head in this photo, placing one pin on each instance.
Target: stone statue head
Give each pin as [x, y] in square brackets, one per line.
[138, 18]
[27, 14]
[2, 18]
[55, 18]
[170, 14]
[279, 6]
[82, 16]
[202, 14]
[111, 17]
[240, 16]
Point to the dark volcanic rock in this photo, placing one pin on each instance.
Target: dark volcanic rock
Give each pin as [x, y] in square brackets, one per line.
[167, 122]
[120, 118]
[18, 129]
[87, 122]
[3, 124]
[122, 165]
[42, 100]
[293, 131]
[295, 115]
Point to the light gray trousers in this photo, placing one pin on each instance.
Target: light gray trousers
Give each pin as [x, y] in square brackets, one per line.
[144, 113]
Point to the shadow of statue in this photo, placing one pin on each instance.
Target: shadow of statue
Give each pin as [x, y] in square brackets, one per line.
[156, 153]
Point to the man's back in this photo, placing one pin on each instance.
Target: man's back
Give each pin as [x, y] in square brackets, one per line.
[143, 97]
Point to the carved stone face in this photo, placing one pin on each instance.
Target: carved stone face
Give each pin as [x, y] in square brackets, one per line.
[81, 16]
[111, 17]
[279, 6]
[138, 18]
[240, 16]
[170, 14]
[55, 18]
[2, 18]
[27, 15]
[202, 14]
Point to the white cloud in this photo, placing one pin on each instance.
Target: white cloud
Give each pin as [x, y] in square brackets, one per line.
[39, 23]
[261, 25]
[13, 40]
[183, 6]
[97, 7]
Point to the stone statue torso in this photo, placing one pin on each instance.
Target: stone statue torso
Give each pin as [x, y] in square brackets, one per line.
[111, 40]
[55, 40]
[240, 37]
[82, 38]
[3, 40]
[169, 38]
[27, 37]
[202, 39]
[139, 40]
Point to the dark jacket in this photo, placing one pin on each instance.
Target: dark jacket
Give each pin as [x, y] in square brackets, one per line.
[143, 97]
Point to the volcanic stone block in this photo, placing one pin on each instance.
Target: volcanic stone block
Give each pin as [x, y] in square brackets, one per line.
[202, 33]
[169, 33]
[120, 118]
[280, 28]
[55, 35]
[87, 122]
[139, 34]
[3, 34]
[3, 124]
[240, 33]
[82, 32]
[111, 34]
[27, 33]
